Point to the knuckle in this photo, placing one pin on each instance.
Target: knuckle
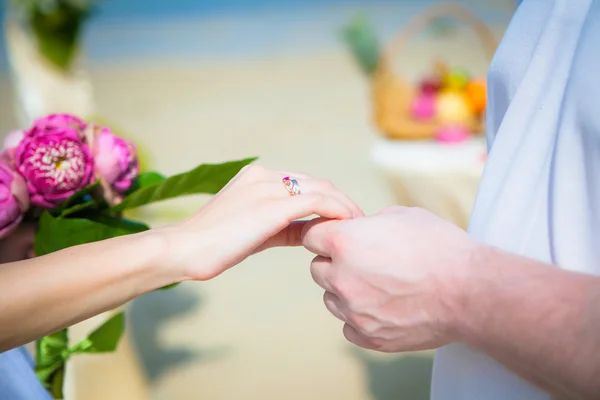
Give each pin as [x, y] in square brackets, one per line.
[263, 189]
[316, 199]
[355, 320]
[341, 286]
[338, 242]
[377, 344]
[326, 184]
[369, 328]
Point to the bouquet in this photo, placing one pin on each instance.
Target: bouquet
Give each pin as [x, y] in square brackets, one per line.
[75, 179]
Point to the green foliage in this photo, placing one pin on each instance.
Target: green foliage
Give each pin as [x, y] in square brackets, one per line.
[362, 40]
[206, 179]
[53, 351]
[55, 233]
[56, 26]
[104, 339]
[86, 218]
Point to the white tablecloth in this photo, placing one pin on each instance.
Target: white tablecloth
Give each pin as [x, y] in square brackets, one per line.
[442, 178]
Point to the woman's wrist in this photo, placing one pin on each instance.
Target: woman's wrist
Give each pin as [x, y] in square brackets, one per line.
[156, 251]
[179, 248]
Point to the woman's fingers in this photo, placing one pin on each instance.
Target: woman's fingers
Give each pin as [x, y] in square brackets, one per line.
[325, 187]
[256, 175]
[305, 205]
[290, 236]
[297, 175]
[318, 197]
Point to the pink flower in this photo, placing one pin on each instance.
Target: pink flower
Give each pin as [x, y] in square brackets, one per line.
[9, 146]
[115, 160]
[55, 163]
[14, 199]
[12, 140]
[53, 121]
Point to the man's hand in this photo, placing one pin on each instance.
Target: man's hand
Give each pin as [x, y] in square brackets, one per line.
[395, 278]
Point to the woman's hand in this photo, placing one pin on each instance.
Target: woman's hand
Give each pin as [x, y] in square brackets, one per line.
[253, 212]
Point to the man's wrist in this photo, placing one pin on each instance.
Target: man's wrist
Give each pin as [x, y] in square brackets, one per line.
[472, 290]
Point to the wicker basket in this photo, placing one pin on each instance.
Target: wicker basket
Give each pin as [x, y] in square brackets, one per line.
[393, 96]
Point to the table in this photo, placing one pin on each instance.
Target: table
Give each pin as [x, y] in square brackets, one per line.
[442, 178]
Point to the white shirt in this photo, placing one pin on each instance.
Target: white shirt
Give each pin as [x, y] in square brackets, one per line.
[540, 192]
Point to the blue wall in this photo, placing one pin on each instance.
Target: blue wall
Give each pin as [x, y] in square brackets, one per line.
[116, 11]
[172, 8]
[143, 28]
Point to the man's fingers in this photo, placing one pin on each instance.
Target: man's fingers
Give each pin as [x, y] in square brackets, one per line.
[322, 272]
[334, 305]
[317, 236]
[356, 338]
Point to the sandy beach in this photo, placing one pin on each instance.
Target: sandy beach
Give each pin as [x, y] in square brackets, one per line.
[260, 331]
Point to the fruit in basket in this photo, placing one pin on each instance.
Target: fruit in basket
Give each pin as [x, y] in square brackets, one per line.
[452, 134]
[476, 95]
[456, 80]
[453, 108]
[430, 85]
[424, 106]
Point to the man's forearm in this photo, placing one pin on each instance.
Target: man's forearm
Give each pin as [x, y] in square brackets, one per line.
[537, 320]
[45, 294]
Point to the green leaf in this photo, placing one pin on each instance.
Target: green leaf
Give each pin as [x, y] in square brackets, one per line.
[104, 339]
[362, 40]
[146, 179]
[76, 199]
[171, 286]
[58, 381]
[207, 178]
[77, 208]
[57, 29]
[120, 223]
[55, 234]
[51, 347]
[52, 352]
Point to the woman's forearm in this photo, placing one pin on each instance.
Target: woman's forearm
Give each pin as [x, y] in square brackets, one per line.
[539, 321]
[45, 294]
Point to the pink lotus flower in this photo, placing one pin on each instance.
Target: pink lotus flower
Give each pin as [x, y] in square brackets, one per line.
[9, 146]
[54, 121]
[12, 140]
[55, 163]
[115, 160]
[14, 199]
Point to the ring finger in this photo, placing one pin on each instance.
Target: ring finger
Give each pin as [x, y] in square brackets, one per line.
[310, 185]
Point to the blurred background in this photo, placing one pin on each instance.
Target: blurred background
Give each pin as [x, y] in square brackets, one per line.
[194, 81]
